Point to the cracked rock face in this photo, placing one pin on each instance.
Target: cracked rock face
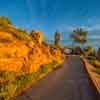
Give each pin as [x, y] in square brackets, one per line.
[26, 56]
[37, 36]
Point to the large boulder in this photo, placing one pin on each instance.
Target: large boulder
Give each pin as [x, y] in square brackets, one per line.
[37, 36]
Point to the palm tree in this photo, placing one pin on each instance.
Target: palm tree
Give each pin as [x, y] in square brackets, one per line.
[79, 36]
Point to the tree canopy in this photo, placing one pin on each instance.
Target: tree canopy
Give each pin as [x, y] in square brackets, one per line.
[79, 35]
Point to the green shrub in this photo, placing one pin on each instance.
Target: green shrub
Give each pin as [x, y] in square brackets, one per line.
[9, 88]
[6, 74]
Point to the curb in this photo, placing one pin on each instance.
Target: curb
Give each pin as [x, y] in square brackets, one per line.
[95, 78]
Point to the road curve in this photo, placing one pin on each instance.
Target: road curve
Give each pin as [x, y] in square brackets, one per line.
[70, 82]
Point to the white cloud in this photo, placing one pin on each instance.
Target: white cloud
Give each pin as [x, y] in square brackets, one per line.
[66, 28]
[93, 20]
[94, 37]
[94, 28]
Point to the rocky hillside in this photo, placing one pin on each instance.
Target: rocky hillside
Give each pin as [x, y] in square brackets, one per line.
[24, 57]
[21, 51]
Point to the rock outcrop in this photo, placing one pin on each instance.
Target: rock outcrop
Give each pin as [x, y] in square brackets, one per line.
[24, 52]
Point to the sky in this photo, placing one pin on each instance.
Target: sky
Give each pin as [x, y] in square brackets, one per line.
[49, 16]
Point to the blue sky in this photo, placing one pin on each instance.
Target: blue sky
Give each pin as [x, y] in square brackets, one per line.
[51, 15]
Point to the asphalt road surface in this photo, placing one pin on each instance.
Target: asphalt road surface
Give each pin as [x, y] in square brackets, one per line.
[70, 82]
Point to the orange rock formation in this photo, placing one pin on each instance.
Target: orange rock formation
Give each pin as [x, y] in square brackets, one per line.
[21, 52]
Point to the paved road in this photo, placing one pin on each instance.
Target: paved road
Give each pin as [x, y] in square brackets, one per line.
[70, 82]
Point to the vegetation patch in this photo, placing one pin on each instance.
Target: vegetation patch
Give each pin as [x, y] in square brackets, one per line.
[9, 88]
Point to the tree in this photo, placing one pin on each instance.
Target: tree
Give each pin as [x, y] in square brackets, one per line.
[79, 36]
[98, 53]
[57, 39]
[89, 51]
